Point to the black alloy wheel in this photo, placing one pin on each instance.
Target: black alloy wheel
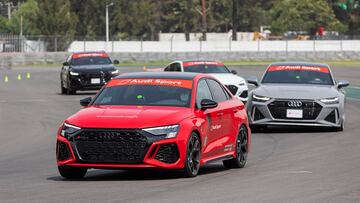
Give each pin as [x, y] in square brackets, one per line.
[193, 152]
[241, 150]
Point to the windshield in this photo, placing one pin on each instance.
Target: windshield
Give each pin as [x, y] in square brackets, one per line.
[298, 75]
[90, 61]
[146, 92]
[206, 69]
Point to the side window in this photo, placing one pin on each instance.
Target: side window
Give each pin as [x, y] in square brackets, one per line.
[175, 67]
[202, 92]
[167, 68]
[217, 91]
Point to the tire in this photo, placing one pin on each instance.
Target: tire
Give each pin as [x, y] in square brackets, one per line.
[72, 172]
[69, 90]
[63, 89]
[193, 154]
[241, 150]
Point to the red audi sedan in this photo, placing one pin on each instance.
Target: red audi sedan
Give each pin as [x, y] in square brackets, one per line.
[155, 120]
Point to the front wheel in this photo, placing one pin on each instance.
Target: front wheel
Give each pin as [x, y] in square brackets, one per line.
[241, 150]
[72, 172]
[192, 160]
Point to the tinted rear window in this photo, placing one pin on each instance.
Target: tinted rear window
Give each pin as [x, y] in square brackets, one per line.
[298, 75]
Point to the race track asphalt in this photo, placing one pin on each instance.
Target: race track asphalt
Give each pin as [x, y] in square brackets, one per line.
[285, 165]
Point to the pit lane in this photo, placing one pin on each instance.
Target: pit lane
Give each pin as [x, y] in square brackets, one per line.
[285, 165]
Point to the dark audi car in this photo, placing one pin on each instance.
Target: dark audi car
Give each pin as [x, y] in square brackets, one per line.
[86, 71]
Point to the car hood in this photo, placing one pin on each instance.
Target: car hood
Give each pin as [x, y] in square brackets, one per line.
[228, 78]
[128, 116]
[93, 68]
[289, 91]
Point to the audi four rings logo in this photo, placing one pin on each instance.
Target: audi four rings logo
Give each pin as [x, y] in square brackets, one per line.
[294, 103]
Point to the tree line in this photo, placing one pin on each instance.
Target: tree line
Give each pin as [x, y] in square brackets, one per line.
[144, 19]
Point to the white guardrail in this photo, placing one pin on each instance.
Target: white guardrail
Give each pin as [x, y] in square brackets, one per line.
[215, 46]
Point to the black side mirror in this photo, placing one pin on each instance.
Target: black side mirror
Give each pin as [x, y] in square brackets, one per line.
[66, 63]
[116, 62]
[343, 83]
[234, 72]
[208, 104]
[86, 101]
[253, 80]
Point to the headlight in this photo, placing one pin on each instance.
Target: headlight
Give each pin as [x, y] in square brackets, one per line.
[73, 73]
[333, 100]
[168, 131]
[68, 129]
[259, 98]
[115, 72]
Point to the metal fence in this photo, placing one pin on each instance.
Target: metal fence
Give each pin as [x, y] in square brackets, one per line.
[28, 44]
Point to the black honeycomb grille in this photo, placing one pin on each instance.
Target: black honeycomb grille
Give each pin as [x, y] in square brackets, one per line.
[168, 153]
[63, 152]
[111, 146]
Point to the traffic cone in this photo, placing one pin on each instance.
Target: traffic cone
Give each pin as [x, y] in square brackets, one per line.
[19, 76]
[28, 76]
[6, 79]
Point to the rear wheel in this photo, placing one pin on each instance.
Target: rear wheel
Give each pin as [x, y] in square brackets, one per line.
[241, 150]
[72, 172]
[193, 152]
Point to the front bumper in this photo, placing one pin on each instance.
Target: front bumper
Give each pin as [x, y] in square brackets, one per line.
[240, 92]
[105, 151]
[314, 114]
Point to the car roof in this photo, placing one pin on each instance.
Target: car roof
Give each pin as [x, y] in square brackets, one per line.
[89, 52]
[167, 75]
[294, 63]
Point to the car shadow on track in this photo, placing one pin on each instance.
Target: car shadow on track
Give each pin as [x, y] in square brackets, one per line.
[291, 129]
[140, 174]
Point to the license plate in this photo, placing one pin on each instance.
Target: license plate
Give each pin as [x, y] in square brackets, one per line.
[294, 113]
[95, 80]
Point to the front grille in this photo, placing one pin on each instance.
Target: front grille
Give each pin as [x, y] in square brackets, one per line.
[62, 151]
[232, 88]
[167, 153]
[244, 94]
[111, 146]
[311, 109]
[86, 77]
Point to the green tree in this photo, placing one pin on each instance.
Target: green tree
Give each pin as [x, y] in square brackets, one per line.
[56, 19]
[305, 15]
[28, 11]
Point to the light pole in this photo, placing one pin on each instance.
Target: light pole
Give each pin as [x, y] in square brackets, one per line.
[107, 20]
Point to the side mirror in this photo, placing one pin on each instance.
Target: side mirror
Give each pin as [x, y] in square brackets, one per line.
[85, 102]
[343, 83]
[208, 104]
[66, 63]
[116, 62]
[234, 72]
[253, 80]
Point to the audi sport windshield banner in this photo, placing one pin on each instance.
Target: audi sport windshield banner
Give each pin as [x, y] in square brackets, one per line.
[83, 55]
[152, 81]
[301, 68]
[196, 63]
